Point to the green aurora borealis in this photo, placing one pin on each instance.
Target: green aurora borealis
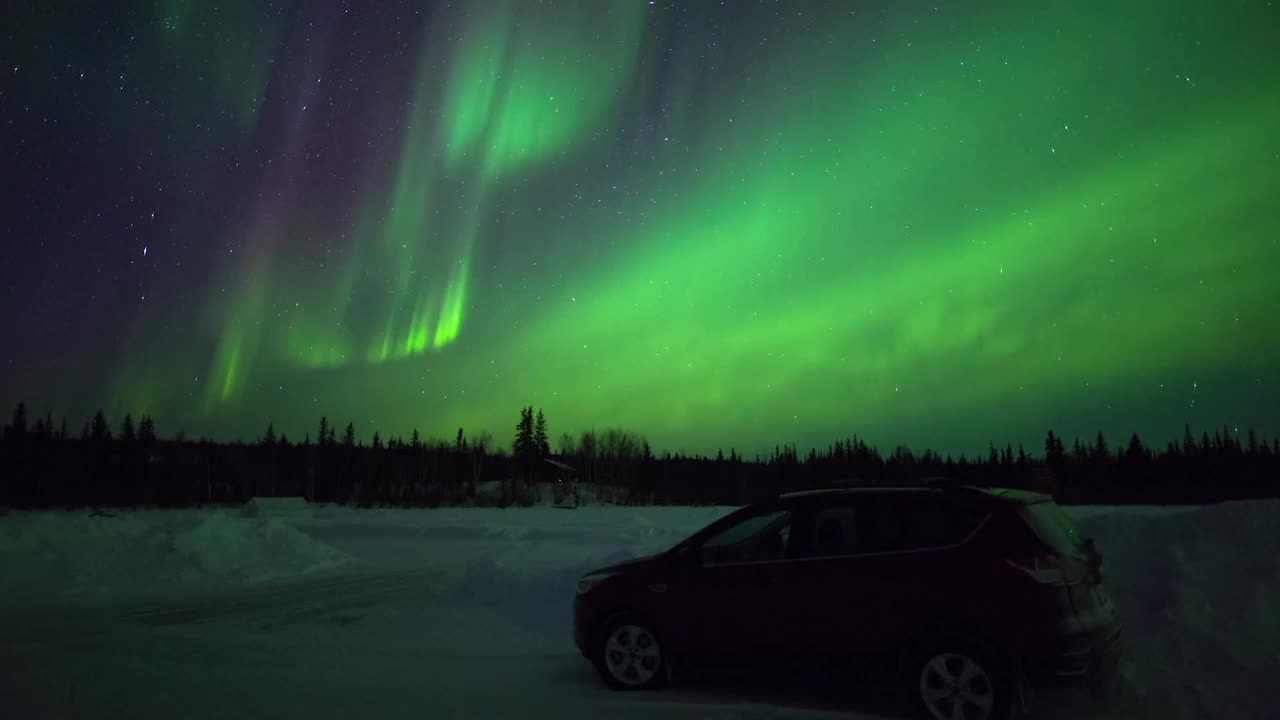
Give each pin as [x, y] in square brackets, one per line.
[718, 225]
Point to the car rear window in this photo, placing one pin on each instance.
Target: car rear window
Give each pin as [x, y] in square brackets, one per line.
[1054, 526]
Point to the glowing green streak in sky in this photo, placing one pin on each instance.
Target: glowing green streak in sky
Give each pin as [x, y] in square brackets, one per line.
[529, 80]
[451, 315]
[944, 225]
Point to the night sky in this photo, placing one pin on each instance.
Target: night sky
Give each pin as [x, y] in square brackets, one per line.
[717, 224]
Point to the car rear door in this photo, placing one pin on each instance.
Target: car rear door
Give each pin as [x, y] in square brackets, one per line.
[894, 565]
[830, 597]
[723, 602]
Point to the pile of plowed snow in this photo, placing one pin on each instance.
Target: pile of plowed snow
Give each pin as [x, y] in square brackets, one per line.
[1199, 591]
[76, 557]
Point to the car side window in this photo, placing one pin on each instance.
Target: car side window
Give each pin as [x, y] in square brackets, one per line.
[835, 531]
[753, 539]
[914, 523]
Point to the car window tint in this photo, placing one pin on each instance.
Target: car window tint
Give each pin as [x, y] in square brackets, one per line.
[755, 538]
[834, 531]
[913, 523]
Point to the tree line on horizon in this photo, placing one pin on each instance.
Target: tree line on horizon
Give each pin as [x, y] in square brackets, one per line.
[41, 467]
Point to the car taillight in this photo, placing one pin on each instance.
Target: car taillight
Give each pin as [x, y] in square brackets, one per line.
[1043, 568]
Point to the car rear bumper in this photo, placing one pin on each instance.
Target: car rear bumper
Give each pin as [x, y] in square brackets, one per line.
[1086, 660]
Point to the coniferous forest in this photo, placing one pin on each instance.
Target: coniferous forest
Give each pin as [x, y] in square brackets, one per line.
[45, 465]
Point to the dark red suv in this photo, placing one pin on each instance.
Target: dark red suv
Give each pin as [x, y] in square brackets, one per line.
[970, 595]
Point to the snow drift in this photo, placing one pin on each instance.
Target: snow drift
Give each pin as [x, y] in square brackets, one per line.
[76, 557]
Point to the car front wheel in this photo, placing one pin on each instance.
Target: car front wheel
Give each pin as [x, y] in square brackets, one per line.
[629, 655]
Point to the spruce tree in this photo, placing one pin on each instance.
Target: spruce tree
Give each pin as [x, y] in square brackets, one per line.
[126, 428]
[542, 445]
[100, 432]
[147, 430]
[1054, 452]
[523, 445]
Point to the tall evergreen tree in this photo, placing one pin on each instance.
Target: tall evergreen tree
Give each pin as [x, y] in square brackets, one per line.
[1135, 451]
[1100, 449]
[269, 435]
[18, 427]
[126, 429]
[349, 435]
[1054, 452]
[100, 432]
[523, 444]
[147, 430]
[541, 443]
[323, 438]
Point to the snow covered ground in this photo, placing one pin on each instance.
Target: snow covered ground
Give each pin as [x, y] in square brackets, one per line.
[465, 613]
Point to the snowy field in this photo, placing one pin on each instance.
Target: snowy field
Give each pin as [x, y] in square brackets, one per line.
[465, 613]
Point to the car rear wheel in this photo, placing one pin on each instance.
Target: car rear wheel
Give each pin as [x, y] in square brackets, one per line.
[629, 655]
[958, 683]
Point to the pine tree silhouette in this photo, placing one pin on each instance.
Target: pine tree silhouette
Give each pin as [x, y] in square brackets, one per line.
[323, 438]
[126, 429]
[100, 432]
[523, 445]
[1135, 451]
[1054, 452]
[1100, 449]
[17, 428]
[349, 435]
[541, 445]
[147, 430]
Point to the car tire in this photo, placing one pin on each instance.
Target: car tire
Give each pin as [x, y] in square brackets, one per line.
[960, 673]
[628, 654]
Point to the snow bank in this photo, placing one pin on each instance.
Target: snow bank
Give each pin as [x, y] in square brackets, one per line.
[1199, 590]
[76, 557]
